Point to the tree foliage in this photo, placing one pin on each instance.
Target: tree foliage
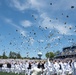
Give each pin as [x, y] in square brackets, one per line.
[49, 54]
[14, 55]
[18, 55]
[57, 53]
[4, 55]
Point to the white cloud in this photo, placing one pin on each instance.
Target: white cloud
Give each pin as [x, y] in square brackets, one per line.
[27, 4]
[20, 6]
[37, 4]
[26, 23]
[61, 28]
[21, 31]
[8, 20]
[55, 38]
[43, 5]
[41, 40]
[54, 24]
[31, 40]
[63, 4]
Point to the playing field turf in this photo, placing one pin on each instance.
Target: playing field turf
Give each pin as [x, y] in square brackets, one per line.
[3, 73]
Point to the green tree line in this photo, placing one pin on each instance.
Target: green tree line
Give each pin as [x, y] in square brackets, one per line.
[14, 55]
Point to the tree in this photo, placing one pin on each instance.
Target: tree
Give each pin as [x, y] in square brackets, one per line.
[50, 55]
[12, 55]
[0, 56]
[4, 55]
[47, 55]
[57, 53]
[18, 55]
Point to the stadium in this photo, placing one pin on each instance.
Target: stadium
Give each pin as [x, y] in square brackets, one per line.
[68, 52]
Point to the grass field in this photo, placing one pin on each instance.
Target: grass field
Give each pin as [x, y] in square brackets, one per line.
[3, 73]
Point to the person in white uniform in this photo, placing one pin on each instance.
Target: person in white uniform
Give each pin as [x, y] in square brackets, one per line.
[74, 67]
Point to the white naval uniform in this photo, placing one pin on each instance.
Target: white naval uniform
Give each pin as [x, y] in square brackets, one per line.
[74, 68]
[56, 66]
[36, 71]
[63, 68]
[49, 68]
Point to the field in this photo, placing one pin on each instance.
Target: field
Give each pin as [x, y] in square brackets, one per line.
[3, 73]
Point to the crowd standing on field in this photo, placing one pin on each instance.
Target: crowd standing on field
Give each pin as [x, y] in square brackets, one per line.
[32, 67]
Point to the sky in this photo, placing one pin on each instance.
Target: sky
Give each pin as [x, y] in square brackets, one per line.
[32, 26]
